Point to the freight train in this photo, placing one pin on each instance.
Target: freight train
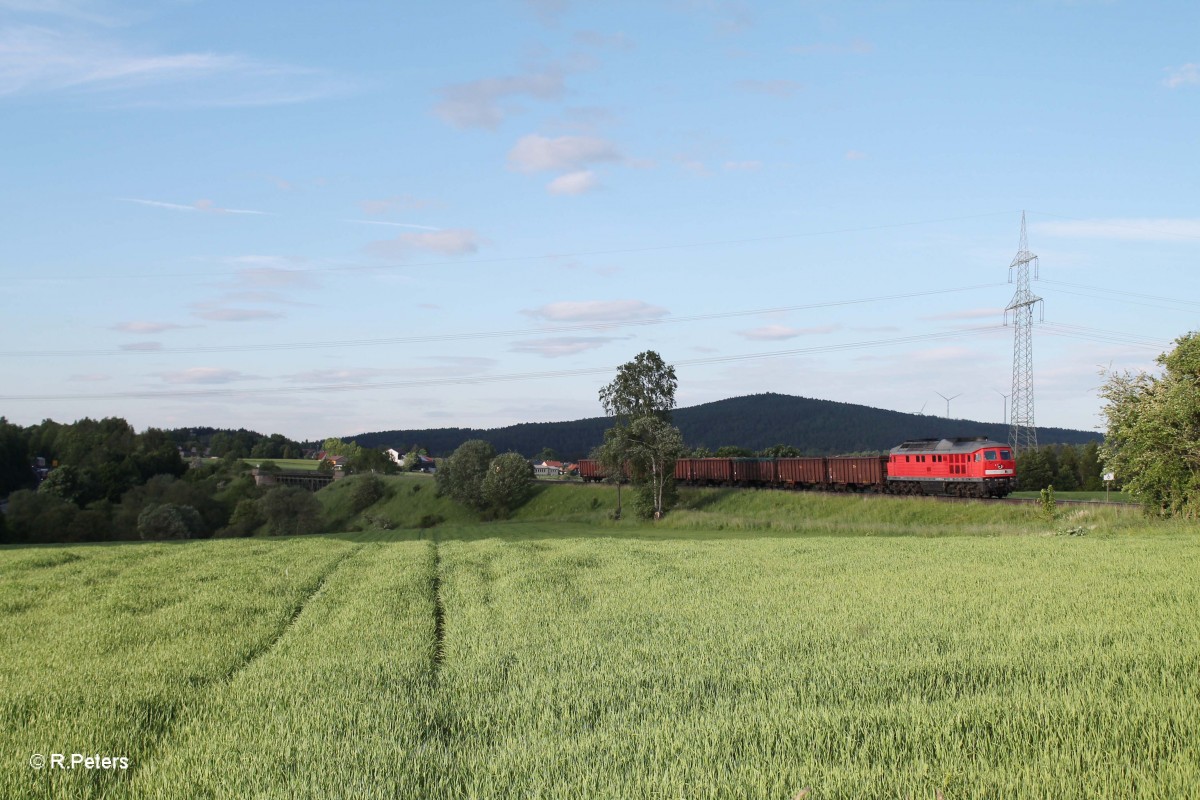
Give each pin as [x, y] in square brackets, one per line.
[961, 467]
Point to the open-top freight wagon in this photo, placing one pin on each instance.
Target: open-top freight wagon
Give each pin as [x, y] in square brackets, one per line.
[963, 467]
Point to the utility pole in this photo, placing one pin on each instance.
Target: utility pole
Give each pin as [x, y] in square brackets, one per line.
[947, 399]
[1022, 435]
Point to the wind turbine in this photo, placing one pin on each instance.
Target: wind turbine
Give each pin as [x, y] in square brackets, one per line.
[1005, 396]
[947, 399]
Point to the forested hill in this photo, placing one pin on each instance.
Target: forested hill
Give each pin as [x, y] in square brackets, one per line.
[817, 427]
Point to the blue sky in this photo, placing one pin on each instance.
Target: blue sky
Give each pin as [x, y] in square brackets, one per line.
[321, 219]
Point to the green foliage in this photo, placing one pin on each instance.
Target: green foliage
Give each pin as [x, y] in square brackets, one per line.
[68, 483]
[732, 451]
[366, 491]
[780, 451]
[651, 447]
[643, 387]
[247, 517]
[367, 460]
[290, 511]
[460, 476]
[1048, 504]
[1153, 438]
[15, 472]
[508, 483]
[169, 521]
[269, 467]
[39, 516]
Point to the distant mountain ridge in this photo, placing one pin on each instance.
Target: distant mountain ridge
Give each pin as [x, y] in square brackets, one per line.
[758, 421]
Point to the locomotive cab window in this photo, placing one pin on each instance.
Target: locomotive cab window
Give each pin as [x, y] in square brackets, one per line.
[1005, 455]
[990, 455]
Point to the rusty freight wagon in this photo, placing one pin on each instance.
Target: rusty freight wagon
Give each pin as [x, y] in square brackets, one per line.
[802, 473]
[704, 471]
[857, 472]
[754, 471]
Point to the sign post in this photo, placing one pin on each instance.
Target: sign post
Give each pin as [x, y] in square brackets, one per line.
[1108, 479]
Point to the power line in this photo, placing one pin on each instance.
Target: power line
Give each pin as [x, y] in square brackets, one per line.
[1102, 336]
[1121, 226]
[508, 259]
[504, 378]
[446, 337]
[1121, 293]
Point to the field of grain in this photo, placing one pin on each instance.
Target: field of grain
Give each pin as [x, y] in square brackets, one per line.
[547, 660]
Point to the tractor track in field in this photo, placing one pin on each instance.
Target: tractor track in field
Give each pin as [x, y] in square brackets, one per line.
[169, 719]
[439, 613]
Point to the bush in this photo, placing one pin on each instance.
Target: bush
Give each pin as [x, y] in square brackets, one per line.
[461, 475]
[290, 510]
[507, 484]
[430, 521]
[366, 492]
[169, 521]
[39, 517]
[247, 517]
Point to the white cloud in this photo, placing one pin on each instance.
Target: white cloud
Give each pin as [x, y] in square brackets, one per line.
[205, 375]
[561, 346]
[410, 225]
[205, 206]
[596, 311]
[236, 314]
[548, 11]
[1185, 75]
[479, 103]
[971, 313]
[853, 47]
[333, 376]
[449, 241]
[39, 59]
[274, 277]
[143, 347]
[855, 155]
[440, 367]
[1132, 229]
[91, 377]
[777, 87]
[573, 183]
[535, 153]
[145, 327]
[775, 333]
[387, 205]
[604, 41]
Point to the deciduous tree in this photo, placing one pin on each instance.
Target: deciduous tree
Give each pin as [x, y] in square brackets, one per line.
[461, 475]
[643, 387]
[1153, 437]
[508, 483]
[641, 398]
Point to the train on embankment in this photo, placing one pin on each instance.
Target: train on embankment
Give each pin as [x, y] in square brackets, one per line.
[959, 467]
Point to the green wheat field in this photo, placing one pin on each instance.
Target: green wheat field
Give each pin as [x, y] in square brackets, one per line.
[851, 649]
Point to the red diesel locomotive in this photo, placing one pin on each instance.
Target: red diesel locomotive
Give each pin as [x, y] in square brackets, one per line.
[960, 467]
[972, 467]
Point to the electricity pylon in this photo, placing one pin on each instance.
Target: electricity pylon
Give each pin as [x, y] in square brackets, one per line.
[1021, 432]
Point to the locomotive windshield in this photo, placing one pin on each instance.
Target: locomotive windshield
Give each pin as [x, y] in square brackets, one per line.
[1005, 455]
[990, 455]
